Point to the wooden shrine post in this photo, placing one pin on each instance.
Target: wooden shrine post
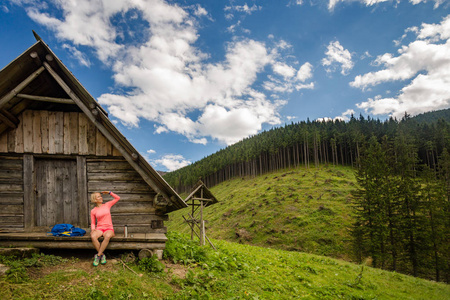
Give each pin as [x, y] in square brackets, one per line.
[199, 198]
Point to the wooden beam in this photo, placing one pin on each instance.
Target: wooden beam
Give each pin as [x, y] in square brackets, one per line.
[35, 56]
[10, 116]
[5, 99]
[7, 121]
[198, 226]
[83, 198]
[104, 131]
[29, 185]
[46, 99]
[203, 199]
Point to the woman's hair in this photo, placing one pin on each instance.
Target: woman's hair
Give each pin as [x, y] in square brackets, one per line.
[93, 196]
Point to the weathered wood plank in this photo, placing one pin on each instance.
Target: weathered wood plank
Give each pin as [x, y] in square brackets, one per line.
[45, 131]
[73, 132]
[66, 134]
[141, 219]
[73, 181]
[63, 243]
[41, 187]
[28, 131]
[134, 207]
[59, 133]
[91, 137]
[11, 163]
[116, 152]
[4, 142]
[10, 176]
[12, 140]
[11, 228]
[66, 195]
[101, 149]
[83, 198]
[101, 166]
[54, 203]
[28, 190]
[117, 176]
[19, 135]
[51, 132]
[11, 198]
[83, 134]
[118, 187]
[137, 230]
[133, 197]
[8, 209]
[11, 220]
[11, 187]
[37, 135]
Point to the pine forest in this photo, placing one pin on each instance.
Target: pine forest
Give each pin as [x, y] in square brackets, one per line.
[401, 205]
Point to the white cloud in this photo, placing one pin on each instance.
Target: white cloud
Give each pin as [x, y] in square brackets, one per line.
[332, 3]
[200, 11]
[425, 62]
[283, 69]
[151, 151]
[243, 8]
[305, 72]
[78, 55]
[345, 116]
[172, 162]
[337, 55]
[166, 76]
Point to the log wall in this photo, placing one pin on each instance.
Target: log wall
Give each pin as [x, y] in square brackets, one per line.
[11, 194]
[63, 153]
[48, 132]
[135, 208]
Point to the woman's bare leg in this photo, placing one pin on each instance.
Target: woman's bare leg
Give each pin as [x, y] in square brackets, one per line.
[107, 235]
[95, 235]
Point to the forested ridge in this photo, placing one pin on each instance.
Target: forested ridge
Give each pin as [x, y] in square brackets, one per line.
[315, 142]
[401, 205]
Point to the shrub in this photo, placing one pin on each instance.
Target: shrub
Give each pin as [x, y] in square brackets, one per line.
[151, 264]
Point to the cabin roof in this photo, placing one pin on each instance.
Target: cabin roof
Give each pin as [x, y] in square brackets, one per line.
[200, 191]
[38, 80]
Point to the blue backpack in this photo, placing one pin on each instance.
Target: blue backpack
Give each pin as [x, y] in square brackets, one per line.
[67, 230]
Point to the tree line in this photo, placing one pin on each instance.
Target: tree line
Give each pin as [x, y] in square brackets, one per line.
[311, 143]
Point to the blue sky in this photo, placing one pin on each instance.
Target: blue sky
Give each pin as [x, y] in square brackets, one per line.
[184, 79]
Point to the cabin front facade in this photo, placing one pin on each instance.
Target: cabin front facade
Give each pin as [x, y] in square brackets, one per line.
[57, 146]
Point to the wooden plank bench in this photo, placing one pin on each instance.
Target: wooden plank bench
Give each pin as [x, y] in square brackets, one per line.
[147, 243]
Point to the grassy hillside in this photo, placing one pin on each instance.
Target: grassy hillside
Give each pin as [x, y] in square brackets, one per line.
[235, 271]
[298, 209]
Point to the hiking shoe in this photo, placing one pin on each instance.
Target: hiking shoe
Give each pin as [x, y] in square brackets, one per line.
[103, 259]
[96, 260]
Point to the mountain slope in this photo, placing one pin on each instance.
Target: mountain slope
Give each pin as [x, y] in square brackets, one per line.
[297, 209]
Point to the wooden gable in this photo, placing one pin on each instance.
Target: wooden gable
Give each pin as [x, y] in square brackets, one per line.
[55, 139]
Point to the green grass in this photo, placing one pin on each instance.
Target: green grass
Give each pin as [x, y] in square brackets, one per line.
[235, 271]
[299, 209]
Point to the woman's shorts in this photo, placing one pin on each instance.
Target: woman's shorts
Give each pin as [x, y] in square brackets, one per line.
[104, 230]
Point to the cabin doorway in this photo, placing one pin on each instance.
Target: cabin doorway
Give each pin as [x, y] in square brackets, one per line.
[56, 192]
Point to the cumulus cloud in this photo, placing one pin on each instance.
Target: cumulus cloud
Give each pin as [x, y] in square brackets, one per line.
[425, 62]
[336, 55]
[305, 72]
[167, 79]
[171, 162]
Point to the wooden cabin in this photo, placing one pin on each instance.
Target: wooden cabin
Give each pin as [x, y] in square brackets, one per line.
[57, 146]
